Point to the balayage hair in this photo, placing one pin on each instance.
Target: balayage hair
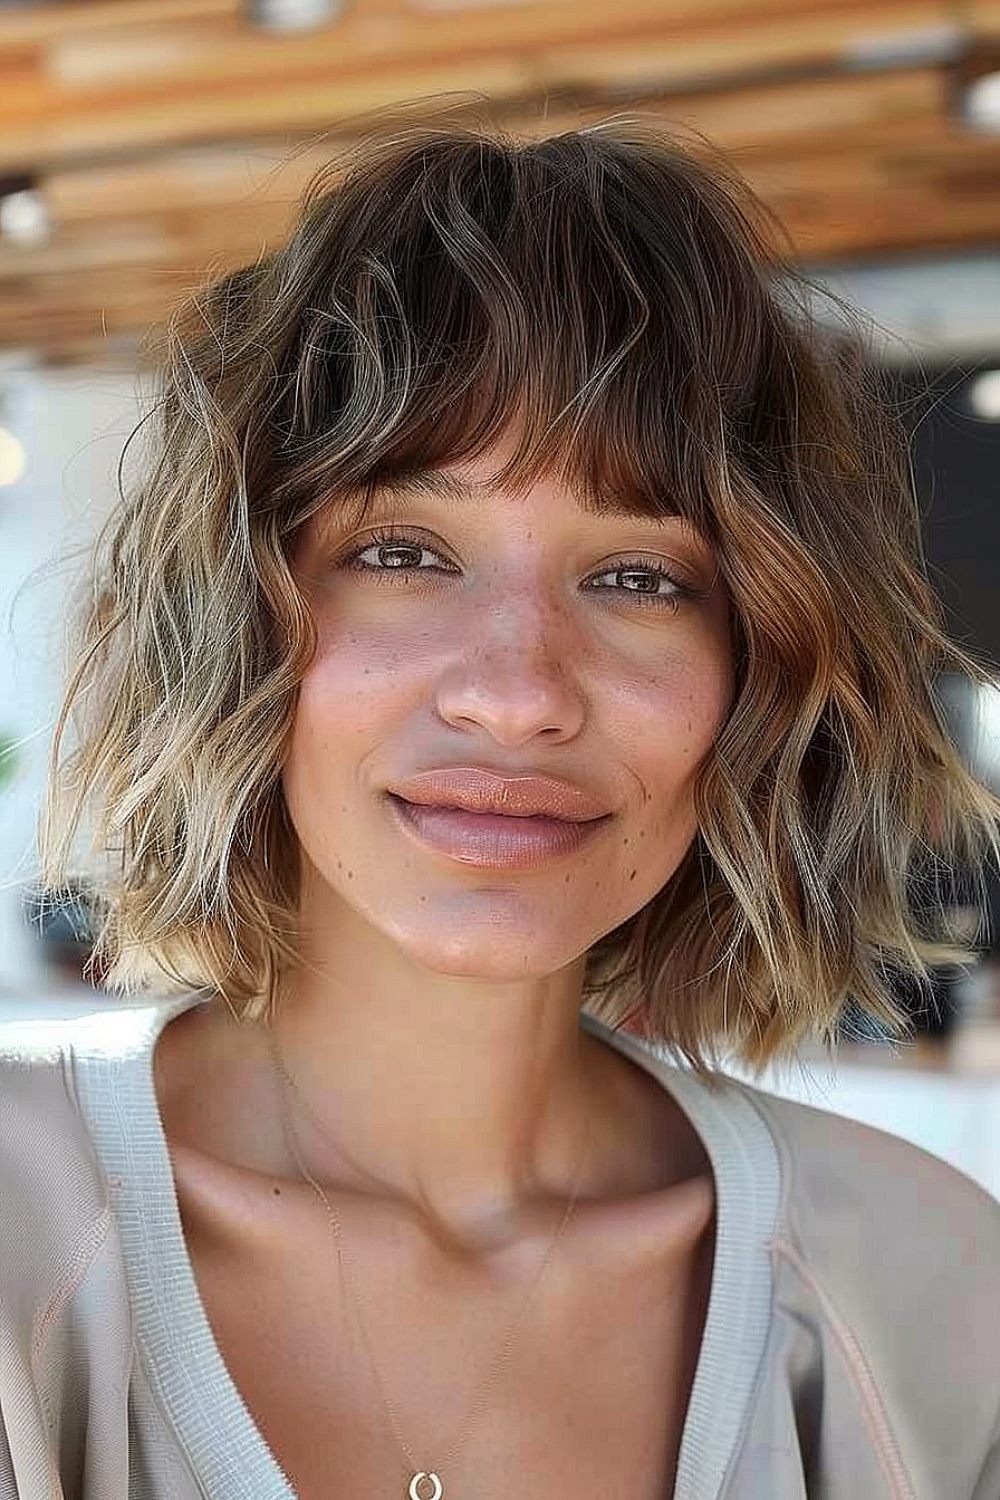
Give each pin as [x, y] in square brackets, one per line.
[616, 292]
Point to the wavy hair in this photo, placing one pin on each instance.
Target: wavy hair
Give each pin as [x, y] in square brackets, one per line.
[618, 290]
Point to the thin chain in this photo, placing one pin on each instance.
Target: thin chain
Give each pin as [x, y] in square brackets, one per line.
[335, 1225]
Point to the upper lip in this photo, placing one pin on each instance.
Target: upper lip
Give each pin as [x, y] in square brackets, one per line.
[474, 789]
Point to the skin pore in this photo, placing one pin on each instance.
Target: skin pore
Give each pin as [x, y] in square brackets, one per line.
[454, 990]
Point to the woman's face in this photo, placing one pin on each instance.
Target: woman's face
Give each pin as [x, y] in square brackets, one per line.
[524, 636]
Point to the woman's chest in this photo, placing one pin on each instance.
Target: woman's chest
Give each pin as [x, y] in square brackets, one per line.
[583, 1391]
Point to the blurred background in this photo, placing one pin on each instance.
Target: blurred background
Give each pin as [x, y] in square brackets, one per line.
[145, 144]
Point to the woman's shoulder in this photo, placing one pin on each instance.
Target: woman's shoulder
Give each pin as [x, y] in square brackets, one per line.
[868, 1222]
[55, 1196]
[53, 1200]
[42, 1043]
[36, 1082]
[889, 1251]
[886, 1278]
[833, 1163]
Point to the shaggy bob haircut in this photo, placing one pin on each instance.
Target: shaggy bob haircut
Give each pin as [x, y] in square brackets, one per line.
[615, 289]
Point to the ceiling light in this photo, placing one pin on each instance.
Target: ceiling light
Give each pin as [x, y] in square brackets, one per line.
[291, 15]
[981, 101]
[983, 395]
[13, 459]
[24, 216]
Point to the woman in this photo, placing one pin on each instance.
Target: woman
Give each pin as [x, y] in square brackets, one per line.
[512, 666]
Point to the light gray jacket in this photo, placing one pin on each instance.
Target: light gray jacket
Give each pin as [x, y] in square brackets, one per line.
[851, 1349]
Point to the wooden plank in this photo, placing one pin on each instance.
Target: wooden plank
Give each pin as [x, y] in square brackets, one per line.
[815, 116]
[226, 59]
[982, 17]
[857, 163]
[47, 23]
[173, 238]
[898, 225]
[674, 58]
[875, 202]
[805, 114]
[134, 315]
[118, 127]
[217, 52]
[204, 178]
[213, 87]
[122, 214]
[58, 22]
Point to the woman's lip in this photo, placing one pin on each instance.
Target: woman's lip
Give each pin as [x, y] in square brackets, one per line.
[495, 840]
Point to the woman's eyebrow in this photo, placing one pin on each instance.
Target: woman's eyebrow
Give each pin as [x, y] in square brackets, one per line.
[437, 483]
[456, 493]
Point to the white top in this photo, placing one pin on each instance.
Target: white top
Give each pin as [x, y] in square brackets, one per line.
[839, 1251]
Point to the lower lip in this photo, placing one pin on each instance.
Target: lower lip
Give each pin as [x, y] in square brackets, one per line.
[493, 839]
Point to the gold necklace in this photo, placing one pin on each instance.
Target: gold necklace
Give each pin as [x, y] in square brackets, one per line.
[416, 1475]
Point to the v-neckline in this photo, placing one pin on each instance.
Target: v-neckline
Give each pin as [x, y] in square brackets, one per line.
[225, 1448]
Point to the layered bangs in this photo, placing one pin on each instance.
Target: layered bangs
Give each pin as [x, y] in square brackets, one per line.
[572, 293]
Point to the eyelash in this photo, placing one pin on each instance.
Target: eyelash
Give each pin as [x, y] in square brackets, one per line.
[389, 538]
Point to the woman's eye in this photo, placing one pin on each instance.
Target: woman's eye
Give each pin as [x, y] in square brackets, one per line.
[640, 580]
[648, 582]
[393, 548]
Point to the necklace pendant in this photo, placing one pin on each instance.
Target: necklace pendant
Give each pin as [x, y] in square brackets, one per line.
[435, 1494]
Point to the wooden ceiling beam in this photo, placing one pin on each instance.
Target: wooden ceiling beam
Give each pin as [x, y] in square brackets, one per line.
[131, 306]
[92, 96]
[41, 25]
[37, 25]
[983, 16]
[837, 116]
[172, 142]
[166, 216]
[860, 207]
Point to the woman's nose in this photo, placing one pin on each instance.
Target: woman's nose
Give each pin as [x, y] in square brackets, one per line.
[515, 676]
